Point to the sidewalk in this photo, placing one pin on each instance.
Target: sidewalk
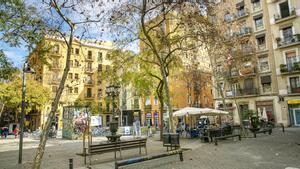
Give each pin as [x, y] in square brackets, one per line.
[278, 151]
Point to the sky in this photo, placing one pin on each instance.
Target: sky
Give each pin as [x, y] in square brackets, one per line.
[15, 54]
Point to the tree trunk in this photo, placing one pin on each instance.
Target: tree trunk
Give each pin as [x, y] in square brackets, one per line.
[159, 92]
[2, 108]
[44, 135]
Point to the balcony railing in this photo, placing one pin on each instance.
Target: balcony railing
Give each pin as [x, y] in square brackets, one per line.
[242, 13]
[243, 31]
[291, 67]
[89, 96]
[89, 70]
[279, 17]
[295, 39]
[242, 92]
[247, 50]
[262, 47]
[55, 80]
[292, 89]
[89, 82]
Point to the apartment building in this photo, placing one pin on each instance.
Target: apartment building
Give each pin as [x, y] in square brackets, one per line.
[271, 85]
[84, 82]
[285, 29]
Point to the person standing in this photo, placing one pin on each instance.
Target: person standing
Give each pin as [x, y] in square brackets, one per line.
[16, 132]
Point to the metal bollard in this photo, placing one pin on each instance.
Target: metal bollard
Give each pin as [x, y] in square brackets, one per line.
[71, 163]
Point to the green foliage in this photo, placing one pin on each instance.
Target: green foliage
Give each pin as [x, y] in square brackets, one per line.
[20, 23]
[93, 106]
[6, 68]
[36, 95]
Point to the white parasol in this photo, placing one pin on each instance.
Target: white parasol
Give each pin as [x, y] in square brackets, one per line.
[264, 114]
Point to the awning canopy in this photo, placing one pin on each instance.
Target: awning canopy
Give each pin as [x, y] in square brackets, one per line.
[293, 101]
[199, 111]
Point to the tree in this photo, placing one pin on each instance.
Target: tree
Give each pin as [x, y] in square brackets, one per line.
[7, 70]
[36, 95]
[165, 30]
[22, 22]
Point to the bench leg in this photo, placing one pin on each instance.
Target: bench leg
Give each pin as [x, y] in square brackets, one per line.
[121, 154]
[84, 153]
[140, 151]
[180, 156]
[270, 131]
[115, 154]
[240, 138]
[146, 150]
[254, 135]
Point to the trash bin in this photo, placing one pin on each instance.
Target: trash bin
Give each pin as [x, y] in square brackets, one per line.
[171, 140]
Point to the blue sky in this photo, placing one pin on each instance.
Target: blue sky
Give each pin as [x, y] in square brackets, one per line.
[15, 54]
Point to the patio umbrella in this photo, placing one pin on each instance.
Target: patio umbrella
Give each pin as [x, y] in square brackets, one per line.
[259, 113]
[199, 111]
[264, 114]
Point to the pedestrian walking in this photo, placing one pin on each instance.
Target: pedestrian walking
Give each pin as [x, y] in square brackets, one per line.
[5, 130]
[16, 132]
[149, 133]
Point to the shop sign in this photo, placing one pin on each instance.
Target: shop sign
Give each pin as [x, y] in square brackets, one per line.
[148, 115]
[293, 101]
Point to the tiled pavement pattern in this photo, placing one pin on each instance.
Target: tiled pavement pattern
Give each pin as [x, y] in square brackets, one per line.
[278, 151]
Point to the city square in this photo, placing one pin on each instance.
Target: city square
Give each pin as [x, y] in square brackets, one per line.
[150, 84]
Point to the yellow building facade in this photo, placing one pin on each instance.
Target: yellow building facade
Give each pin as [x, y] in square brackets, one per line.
[84, 82]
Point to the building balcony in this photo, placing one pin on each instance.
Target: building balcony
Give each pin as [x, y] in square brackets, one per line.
[245, 31]
[247, 50]
[280, 18]
[89, 58]
[89, 82]
[89, 96]
[55, 67]
[135, 106]
[261, 48]
[241, 14]
[55, 54]
[242, 92]
[89, 70]
[290, 68]
[293, 90]
[286, 42]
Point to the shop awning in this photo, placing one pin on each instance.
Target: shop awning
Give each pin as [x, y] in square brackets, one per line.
[293, 101]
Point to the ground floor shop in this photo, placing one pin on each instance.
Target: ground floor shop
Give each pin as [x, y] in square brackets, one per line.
[276, 109]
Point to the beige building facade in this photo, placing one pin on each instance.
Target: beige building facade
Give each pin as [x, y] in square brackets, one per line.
[273, 25]
[84, 81]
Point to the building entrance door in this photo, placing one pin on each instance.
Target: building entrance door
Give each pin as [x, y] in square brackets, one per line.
[296, 113]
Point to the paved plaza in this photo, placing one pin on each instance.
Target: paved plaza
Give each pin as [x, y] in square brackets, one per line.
[276, 151]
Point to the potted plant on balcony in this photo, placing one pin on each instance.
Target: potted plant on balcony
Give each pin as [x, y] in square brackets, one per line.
[296, 66]
[283, 68]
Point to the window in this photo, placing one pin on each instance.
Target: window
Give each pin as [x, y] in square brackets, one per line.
[107, 55]
[228, 17]
[76, 76]
[264, 64]
[284, 9]
[55, 63]
[70, 90]
[295, 84]
[148, 102]
[76, 63]
[100, 57]
[266, 84]
[259, 24]
[90, 55]
[99, 67]
[287, 34]
[256, 5]
[76, 90]
[77, 51]
[89, 92]
[89, 66]
[99, 93]
[291, 59]
[89, 79]
[241, 11]
[72, 50]
[261, 43]
[70, 76]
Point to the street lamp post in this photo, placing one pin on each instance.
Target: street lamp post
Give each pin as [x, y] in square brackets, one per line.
[26, 69]
[113, 91]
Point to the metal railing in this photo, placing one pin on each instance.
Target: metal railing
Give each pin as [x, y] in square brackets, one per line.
[290, 13]
[292, 89]
[288, 40]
